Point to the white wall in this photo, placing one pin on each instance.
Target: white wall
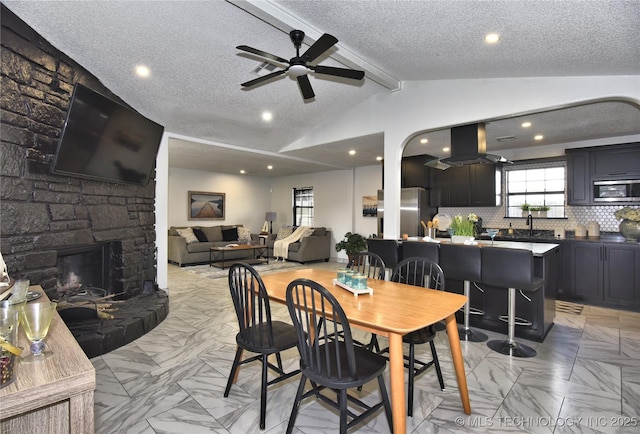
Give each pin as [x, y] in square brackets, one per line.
[247, 197]
[333, 202]
[368, 180]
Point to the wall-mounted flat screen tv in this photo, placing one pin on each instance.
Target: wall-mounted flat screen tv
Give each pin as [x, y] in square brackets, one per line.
[104, 140]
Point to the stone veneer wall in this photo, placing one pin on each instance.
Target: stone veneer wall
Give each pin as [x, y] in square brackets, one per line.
[42, 212]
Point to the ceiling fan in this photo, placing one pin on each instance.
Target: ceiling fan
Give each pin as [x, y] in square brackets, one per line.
[299, 65]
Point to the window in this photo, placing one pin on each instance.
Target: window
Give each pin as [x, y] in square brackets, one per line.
[303, 206]
[536, 187]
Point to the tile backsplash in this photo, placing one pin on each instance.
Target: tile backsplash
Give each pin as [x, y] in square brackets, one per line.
[495, 217]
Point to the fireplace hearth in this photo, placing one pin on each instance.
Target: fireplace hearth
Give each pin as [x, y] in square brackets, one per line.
[99, 315]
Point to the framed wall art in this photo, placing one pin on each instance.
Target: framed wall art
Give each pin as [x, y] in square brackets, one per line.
[369, 206]
[206, 206]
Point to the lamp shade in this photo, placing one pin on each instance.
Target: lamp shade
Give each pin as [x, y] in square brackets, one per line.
[270, 216]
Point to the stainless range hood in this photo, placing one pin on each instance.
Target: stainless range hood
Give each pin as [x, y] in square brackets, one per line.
[468, 146]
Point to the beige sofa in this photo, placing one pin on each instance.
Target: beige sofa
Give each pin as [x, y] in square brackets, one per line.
[316, 247]
[184, 253]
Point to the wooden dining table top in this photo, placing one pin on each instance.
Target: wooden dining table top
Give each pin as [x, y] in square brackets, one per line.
[392, 308]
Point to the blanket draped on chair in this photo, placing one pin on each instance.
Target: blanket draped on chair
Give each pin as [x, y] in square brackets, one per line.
[281, 247]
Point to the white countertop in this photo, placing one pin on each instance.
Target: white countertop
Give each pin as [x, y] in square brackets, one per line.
[538, 249]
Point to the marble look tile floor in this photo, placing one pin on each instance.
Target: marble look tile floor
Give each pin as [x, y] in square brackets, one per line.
[585, 378]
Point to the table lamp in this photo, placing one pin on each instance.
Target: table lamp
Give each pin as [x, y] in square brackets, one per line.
[270, 217]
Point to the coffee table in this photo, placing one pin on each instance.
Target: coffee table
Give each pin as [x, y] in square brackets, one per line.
[216, 255]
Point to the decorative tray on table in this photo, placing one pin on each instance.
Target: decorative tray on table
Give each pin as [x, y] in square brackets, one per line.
[355, 291]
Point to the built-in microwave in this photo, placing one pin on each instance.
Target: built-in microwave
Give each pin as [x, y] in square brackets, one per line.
[617, 191]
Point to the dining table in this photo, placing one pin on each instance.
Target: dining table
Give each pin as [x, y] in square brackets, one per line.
[391, 310]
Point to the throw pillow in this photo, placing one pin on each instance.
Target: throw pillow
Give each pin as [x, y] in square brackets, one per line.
[187, 234]
[213, 233]
[244, 234]
[307, 232]
[200, 235]
[230, 234]
[284, 232]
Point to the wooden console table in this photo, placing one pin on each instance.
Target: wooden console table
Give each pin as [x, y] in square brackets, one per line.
[52, 396]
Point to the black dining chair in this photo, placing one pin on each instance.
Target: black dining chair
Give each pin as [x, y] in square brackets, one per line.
[426, 273]
[328, 356]
[258, 332]
[372, 266]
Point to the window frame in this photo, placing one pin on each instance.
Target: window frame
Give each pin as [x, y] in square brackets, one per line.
[562, 214]
[299, 216]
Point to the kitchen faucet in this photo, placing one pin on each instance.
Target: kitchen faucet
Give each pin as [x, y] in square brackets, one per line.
[530, 223]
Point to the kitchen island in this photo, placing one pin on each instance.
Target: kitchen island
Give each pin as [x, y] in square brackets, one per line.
[538, 307]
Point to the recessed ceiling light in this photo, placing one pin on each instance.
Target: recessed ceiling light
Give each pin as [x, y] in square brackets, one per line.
[243, 171]
[423, 141]
[445, 149]
[269, 167]
[352, 152]
[491, 38]
[539, 137]
[526, 124]
[378, 158]
[142, 71]
[267, 116]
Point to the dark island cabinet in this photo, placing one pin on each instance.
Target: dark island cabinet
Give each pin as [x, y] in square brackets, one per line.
[466, 186]
[606, 274]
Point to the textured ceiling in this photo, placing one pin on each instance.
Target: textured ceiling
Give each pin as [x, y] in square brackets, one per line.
[194, 89]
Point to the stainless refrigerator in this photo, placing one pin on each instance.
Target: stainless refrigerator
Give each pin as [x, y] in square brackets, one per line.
[414, 207]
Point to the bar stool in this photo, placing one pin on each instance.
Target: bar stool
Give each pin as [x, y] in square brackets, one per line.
[512, 269]
[386, 249]
[422, 249]
[460, 262]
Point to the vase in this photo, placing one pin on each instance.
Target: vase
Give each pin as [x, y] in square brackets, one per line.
[462, 239]
[630, 230]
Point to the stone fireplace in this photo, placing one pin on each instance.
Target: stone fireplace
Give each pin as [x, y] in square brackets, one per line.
[51, 225]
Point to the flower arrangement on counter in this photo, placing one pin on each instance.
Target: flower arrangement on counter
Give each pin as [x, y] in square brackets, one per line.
[464, 226]
[627, 213]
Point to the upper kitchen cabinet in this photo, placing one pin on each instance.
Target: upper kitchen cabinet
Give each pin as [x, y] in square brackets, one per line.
[588, 167]
[414, 172]
[466, 186]
[617, 162]
[578, 178]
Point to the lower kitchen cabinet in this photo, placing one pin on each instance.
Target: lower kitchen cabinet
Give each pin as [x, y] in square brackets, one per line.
[606, 274]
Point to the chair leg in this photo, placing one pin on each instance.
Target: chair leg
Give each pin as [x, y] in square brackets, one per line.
[467, 333]
[436, 362]
[343, 411]
[296, 404]
[234, 368]
[279, 359]
[412, 374]
[263, 392]
[385, 401]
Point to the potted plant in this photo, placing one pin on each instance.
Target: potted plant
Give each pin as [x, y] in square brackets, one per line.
[352, 243]
[464, 228]
[539, 211]
[525, 209]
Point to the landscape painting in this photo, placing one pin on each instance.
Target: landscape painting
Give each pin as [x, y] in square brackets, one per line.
[206, 206]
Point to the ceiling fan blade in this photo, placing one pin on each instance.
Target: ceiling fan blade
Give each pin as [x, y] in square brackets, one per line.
[261, 53]
[263, 78]
[325, 42]
[339, 72]
[305, 87]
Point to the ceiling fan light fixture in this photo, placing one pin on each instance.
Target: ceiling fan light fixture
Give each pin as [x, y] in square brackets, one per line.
[297, 70]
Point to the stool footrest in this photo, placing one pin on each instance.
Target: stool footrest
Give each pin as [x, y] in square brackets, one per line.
[517, 320]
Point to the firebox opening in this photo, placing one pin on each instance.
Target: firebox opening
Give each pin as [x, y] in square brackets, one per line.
[85, 268]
